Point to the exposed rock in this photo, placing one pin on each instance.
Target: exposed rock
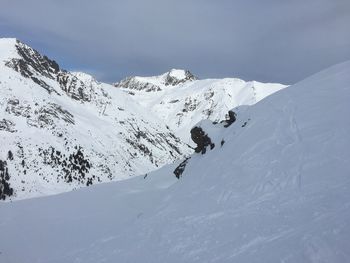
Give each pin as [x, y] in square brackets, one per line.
[190, 104]
[48, 113]
[134, 84]
[173, 80]
[5, 188]
[231, 118]
[32, 64]
[37, 67]
[181, 168]
[201, 139]
[18, 109]
[51, 111]
[152, 84]
[7, 125]
[222, 142]
[43, 117]
[73, 87]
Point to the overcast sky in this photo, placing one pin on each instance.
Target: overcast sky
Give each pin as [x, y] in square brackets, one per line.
[266, 40]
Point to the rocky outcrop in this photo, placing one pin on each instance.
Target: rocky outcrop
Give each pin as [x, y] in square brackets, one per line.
[133, 83]
[157, 83]
[5, 188]
[40, 69]
[7, 125]
[181, 168]
[32, 64]
[231, 118]
[45, 116]
[65, 130]
[73, 87]
[176, 79]
[202, 140]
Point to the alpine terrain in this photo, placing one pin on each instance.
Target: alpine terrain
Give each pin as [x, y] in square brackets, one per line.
[62, 130]
[269, 184]
[181, 100]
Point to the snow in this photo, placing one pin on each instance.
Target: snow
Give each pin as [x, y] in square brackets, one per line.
[86, 78]
[109, 124]
[276, 191]
[7, 49]
[117, 136]
[182, 106]
[178, 73]
[160, 80]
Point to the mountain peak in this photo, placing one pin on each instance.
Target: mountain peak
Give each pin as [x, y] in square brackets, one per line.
[54, 116]
[84, 77]
[180, 73]
[8, 40]
[178, 76]
[8, 48]
[173, 77]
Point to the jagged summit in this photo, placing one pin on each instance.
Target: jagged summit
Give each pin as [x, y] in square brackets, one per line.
[62, 130]
[157, 83]
[178, 76]
[87, 79]
[181, 100]
[275, 188]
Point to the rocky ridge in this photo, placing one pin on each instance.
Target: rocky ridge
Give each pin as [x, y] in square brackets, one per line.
[65, 130]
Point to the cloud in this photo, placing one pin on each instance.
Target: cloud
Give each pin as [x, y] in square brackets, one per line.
[269, 40]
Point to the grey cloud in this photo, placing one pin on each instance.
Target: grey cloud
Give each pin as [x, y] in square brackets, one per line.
[271, 40]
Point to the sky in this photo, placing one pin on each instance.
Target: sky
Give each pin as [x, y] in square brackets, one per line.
[265, 40]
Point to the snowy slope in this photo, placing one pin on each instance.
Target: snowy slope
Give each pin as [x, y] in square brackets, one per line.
[185, 100]
[276, 191]
[63, 130]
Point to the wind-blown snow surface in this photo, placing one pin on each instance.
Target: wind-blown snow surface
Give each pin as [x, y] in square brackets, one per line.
[181, 100]
[276, 191]
[63, 130]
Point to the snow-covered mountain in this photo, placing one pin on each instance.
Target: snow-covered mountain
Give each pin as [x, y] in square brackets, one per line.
[61, 130]
[276, 190]
[181, 100]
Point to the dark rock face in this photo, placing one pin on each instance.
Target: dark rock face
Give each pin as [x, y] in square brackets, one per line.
[5, 188]
[139, 137]
[33, 61]
[173, 81]
[7, 125]
[231, 118]
[133, 84]
[48, 113]
[59, 152]
[181, 168]
[18, 109]
[190, 104]
[42, 117]
[201, 139]
[35, 66]
[73, 87]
